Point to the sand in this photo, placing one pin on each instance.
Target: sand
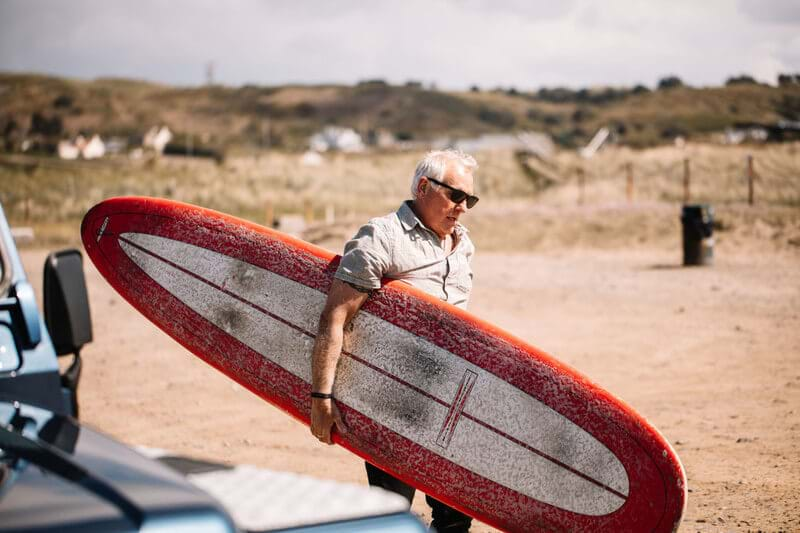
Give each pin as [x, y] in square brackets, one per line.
[710, 355]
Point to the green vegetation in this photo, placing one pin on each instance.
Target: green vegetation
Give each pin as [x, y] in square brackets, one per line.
[225, 118]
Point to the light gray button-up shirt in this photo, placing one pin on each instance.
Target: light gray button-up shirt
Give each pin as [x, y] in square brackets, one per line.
[399, 246]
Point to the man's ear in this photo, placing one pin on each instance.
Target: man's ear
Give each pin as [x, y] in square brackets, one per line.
[422, 186]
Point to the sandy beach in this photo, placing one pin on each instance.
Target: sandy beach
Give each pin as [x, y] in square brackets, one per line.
[710, 355]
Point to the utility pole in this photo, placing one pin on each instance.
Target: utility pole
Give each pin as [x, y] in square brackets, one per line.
[210, 73]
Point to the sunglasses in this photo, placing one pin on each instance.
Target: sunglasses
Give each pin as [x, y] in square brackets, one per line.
[457, 195]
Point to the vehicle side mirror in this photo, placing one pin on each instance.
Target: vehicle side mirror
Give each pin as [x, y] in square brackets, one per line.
[66, 303]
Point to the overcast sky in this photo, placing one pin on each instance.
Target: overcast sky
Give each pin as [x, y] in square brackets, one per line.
[525, 44]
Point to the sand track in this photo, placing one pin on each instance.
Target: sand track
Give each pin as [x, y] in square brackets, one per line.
[710, 355]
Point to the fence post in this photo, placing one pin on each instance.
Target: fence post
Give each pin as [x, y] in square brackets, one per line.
[269, 214]
[308, 211]
[30, 170]
[629, 181]
[750, 178]
[687, 177]
[581, 184]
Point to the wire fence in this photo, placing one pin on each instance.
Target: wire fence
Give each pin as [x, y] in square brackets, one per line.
[764, 178]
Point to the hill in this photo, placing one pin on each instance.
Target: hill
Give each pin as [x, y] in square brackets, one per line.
[252, 116]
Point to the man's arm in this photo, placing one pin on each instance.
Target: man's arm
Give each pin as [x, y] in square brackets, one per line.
[343, 303]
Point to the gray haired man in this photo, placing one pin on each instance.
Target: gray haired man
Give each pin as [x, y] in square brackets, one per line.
[422, 244]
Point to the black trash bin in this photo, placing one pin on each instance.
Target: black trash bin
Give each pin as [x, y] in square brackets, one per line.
[698, 231]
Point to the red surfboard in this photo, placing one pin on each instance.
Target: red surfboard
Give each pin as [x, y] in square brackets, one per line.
[440, 398]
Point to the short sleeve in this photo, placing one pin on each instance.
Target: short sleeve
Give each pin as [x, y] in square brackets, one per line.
[366, 257]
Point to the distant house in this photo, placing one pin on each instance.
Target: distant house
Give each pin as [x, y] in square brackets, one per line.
[94, 148]
[116, 145]
[336, 138]
[781, 131]
[532, 142]
[68, 150]
[382, 138]
[157, 138]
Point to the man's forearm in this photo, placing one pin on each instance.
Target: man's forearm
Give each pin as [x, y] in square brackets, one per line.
[325, 357]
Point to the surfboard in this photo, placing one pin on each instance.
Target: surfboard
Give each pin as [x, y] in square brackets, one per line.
[440, 398]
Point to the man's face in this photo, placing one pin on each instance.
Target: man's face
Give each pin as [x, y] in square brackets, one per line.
[433, 203]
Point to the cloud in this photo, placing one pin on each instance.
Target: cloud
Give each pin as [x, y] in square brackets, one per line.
[781, 12]
[531, 10]
[526, 44]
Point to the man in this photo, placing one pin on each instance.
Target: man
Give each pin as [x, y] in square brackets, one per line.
[422, 244]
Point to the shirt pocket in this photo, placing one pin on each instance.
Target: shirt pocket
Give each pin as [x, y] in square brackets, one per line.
[462, 277]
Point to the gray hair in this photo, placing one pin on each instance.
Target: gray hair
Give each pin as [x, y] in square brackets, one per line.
[434, 165]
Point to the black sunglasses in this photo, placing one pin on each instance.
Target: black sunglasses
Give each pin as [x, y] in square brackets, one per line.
[457, 195]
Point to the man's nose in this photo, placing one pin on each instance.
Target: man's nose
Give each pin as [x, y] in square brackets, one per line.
[461, 206]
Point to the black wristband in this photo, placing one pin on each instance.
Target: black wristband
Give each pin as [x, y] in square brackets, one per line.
[322, 395]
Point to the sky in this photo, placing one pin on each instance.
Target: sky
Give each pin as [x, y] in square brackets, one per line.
[525, 44]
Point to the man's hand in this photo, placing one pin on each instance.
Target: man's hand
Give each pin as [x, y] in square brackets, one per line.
[324, 415]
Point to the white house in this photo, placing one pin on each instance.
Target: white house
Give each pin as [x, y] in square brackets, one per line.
[94, 148]
[68, 150]
[157, 138]
[537, 143]
[336, 138]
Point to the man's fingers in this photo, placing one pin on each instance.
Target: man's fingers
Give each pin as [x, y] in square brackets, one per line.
[323, 418]
[338, 420]
[324, 435]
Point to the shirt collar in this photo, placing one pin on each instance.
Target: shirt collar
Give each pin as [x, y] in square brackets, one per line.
[409, 220]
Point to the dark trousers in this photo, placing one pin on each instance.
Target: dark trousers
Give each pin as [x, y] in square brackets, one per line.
[445, 518]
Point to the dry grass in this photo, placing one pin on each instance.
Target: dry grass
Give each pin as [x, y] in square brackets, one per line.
[513, 215]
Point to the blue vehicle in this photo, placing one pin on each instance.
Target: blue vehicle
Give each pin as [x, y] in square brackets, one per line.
[59, 475]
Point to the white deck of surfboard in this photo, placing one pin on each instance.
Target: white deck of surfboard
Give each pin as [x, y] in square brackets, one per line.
[234, 295]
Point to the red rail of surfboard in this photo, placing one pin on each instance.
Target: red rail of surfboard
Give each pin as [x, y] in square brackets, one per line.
[657, 490]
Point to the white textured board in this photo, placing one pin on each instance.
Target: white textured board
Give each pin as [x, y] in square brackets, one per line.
[419, 390]
[260, 499]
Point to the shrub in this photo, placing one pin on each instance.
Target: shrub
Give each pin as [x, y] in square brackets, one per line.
[673, 130]
[789, 107]
[304, 110]
[581, 114]
[669, 82]
[552, 119]
[556, 95]
[49, 127]
[744, 79]
[62, 101]
[501, 119]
